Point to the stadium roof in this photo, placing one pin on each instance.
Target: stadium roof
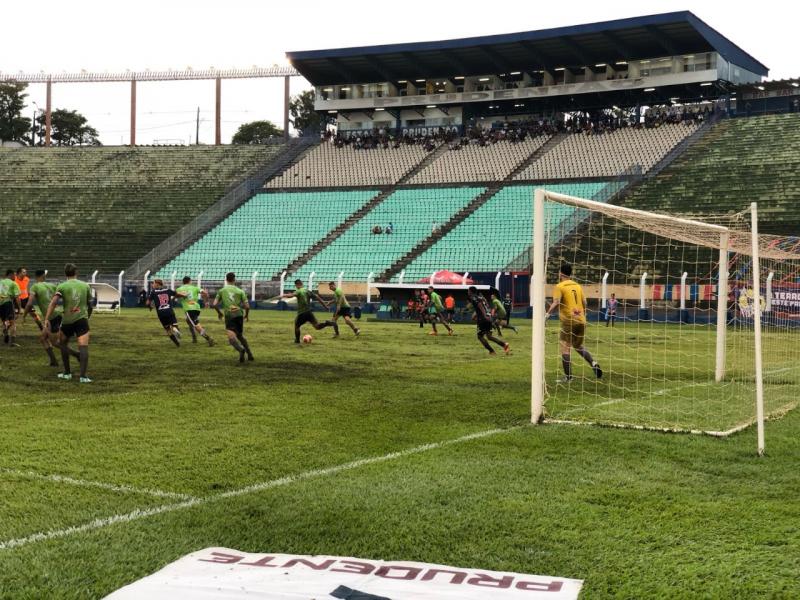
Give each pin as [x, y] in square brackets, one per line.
[667, 34]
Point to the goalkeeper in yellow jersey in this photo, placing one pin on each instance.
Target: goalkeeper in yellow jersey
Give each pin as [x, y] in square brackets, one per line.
[568, 297]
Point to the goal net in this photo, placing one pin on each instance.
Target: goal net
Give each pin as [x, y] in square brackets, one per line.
[694, 323]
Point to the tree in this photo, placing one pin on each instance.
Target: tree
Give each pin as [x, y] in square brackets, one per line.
[68, 128]
[256, 132]
[304, 118]
[13, 126]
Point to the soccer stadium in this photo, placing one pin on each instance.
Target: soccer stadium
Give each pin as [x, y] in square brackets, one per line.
[507, 316]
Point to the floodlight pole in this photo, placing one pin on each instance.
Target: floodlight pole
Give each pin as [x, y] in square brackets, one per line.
[94, 276]
[146, 280]
[604, 291]
[433, 275]
[402, 275]
[200, 279]
[286, 107]
[311, 281]
[133, 112]
[497, 280]
[48, 117]
[341, 278]
[253, 286]
[172, 280]
[464, 278]
[218, 113]
[756, 270]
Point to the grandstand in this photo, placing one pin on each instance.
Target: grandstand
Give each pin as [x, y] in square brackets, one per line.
[581, 156]
[738, 161]
[476, 162]
[449, 155]
[329, 167]
[104, 207]
[378, 441]
[267, 233]
[494, 235]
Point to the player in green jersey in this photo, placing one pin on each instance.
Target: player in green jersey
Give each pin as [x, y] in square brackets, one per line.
[304, 312]
[41, 293]
[500, 315]
[436, 312]
[76, 297]
[190, 302]
[342, 308]
[236, 310]
[9, 304]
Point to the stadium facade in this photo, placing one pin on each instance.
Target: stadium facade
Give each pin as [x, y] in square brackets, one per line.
[631, 63]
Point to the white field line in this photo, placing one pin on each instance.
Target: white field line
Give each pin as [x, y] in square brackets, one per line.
[124, 489]
[257, 487]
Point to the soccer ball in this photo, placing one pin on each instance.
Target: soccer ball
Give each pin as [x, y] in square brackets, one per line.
[307, 339]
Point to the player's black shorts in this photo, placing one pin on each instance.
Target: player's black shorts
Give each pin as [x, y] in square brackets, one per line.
[167, 318]
[7, 311]
[235, 324]
[193, 316]
[484, 327]
[55, 324]
[345, 311]
[303, 318]
[76, 329]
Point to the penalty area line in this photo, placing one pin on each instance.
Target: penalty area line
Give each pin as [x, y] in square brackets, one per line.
[138, 514]
[112, 487]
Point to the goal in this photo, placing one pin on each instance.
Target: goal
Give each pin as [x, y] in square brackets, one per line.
[694, 321]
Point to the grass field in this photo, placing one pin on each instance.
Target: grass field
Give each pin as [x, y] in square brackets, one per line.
[395, 445]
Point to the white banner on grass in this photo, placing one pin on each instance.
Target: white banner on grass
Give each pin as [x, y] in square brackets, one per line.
[221, 573]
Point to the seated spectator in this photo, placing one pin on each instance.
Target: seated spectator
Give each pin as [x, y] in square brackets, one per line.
[389, 228]
[377, 229]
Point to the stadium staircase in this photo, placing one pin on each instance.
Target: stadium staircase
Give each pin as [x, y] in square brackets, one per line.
[342, 227]
[547, 147]
[235, 197]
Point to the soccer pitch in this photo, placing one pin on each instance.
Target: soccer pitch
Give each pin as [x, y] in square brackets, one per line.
[395, 445]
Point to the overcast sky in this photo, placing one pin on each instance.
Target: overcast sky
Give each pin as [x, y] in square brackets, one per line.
[60, 36]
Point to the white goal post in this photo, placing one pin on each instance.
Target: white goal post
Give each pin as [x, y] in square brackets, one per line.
[689, 357]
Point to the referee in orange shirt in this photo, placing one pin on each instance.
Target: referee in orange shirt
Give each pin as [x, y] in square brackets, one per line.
[22, 280]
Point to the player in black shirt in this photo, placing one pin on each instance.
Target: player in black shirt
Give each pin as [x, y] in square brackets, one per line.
[483, 317]
[161, 297]
[508, 305]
